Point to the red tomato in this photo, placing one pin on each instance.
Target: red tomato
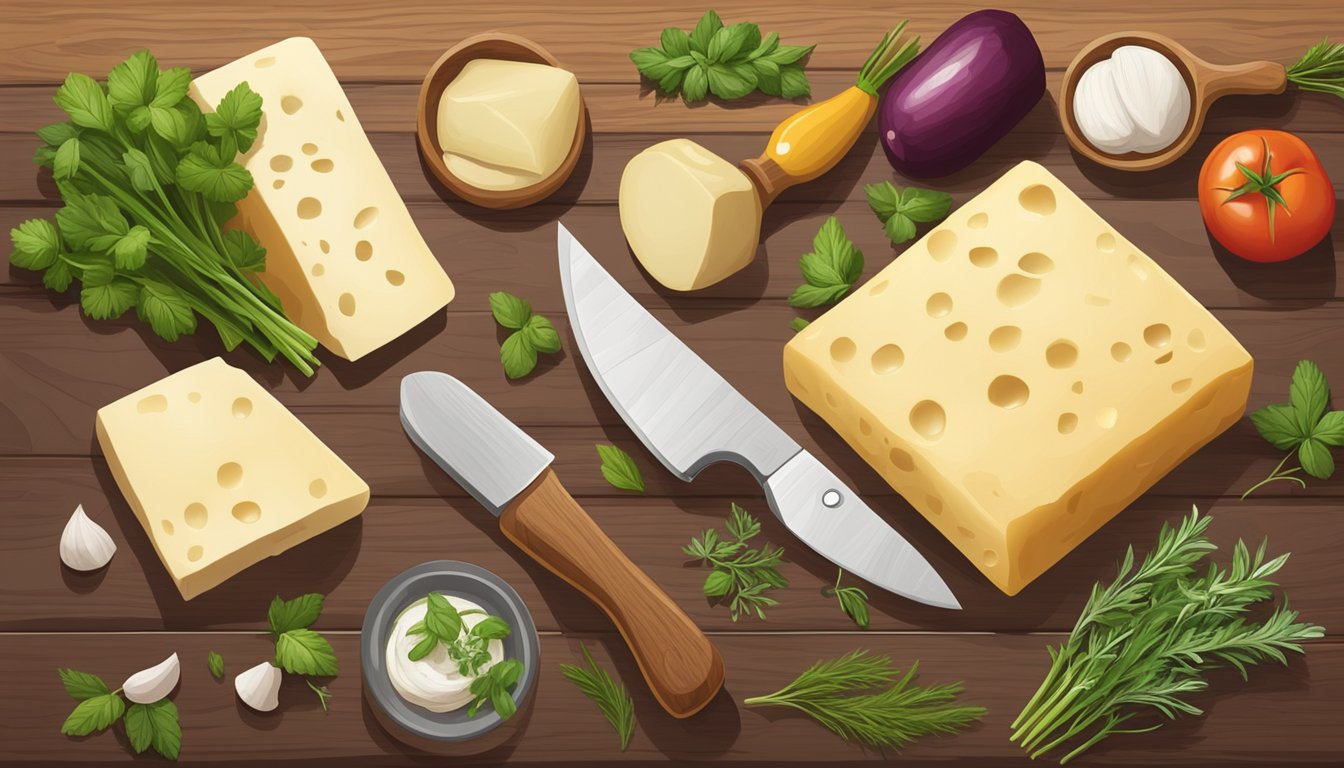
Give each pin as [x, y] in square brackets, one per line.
[1278, 207]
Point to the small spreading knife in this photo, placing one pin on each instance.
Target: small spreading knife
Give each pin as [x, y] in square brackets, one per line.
[510, 475]
[688, 416]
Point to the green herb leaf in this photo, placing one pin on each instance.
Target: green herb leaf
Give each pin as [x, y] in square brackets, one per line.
[492, 628]
[1309, 395]
[742, 525]
[103, 302]
[853, 601]
[154, 725]
[37, 244]
[442, 619]
[798, 324]
[140, 169]
[214, 176]
[131, 249]
[494, 687]
[131, 83]
[423, 648]
[611, 698]
[168, 314]
[84, 101]
[58, 276]
[323, 694]
[675, 42]
[1315, 459]
[66, 162]
[244, 252]
[726, 61]
[718, 584]
[619, 469]
[541, 334]
[517, 356]
[237, 116]
[93, 714]
[704, 31]
[299, 613]
[830, 270]
[695, 85]
[1278, 424]
[1330, 429]
[790, 54]
[901, 209]
[793, 83]
[509, 310]
[82, 685]
[91, 222]
[305, 652]
[731, 81]
[171, 124]
[742, 575]
[172, 88]
[1302, 424]
[56, 134]
[216, 664]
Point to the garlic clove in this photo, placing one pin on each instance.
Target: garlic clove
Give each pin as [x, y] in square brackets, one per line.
[259, 687]
[1153, 93]
[85, 546]
[1098, 110]
[154, 684]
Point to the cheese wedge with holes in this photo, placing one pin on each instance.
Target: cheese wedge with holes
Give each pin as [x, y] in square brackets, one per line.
[342, 252]
[220, 475]
[1021, 374]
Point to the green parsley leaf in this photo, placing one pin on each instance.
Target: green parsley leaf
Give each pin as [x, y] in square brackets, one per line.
[244, 252]
[93, 714]
[509, 310]
[323, 694]
[168, 314]
[37, 244]
[1309, 395]
[172, 88]
[1316, 459]
[82, 685]
[131, 249]
[154, 725]
[619, 469]
[103, 302]
[171, 124]
[140, 169]
[901, 209]
[91, 222]
[740, 574]
[237, 116]
[131, 83]
[798, 324]
[1303, 424]
[58, 276]
[216, 664]
[1330, 429]
[517, 356]
[830, 269]
[541, 334]
[305, 652]
[56, 134]
[1278, 424]
[66, 162]
[742, 525]
[215, 177]
[83, 100]
[299, 613]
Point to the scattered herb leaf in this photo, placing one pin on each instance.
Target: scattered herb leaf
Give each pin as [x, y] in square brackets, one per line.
[1304, 426]
[300, 650]
[531, 334]
[147, 725]
[853, 601]
[619, 469]
[299, 613]
[741, 574]
[901, 209]
[1320, 69]
[154, 725]
[216, 664]
[494, 687]
[610, 696]
[1146, 640]
[859, 698]
[82, 685]
[94, 714]
[798, 324]
[323, 694]
[830, 269]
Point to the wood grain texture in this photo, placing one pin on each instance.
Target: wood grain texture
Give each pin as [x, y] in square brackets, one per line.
[682, 667]
[57, 368]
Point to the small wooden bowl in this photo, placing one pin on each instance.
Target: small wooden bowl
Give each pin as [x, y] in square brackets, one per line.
[1207, 83]
[491, 45]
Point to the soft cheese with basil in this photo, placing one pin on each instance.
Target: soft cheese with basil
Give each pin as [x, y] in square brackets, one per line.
[436, 681]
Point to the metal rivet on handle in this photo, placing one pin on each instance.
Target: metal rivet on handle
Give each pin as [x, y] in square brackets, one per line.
[831, 498]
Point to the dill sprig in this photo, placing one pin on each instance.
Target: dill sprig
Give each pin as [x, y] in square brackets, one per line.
[1320, 69]
[1145, 641]
[859, 698]
[609, 696]
[740, 574]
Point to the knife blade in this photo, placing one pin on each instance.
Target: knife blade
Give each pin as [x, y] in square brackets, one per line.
[509, 474]
[689, 417]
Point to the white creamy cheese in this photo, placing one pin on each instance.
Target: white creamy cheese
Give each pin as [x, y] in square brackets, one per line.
[433, 682]
[1135, 101]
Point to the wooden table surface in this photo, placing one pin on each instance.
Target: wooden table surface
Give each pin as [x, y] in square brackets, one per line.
[57, 368]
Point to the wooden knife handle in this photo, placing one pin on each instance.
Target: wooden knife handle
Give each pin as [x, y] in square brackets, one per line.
[683, 669]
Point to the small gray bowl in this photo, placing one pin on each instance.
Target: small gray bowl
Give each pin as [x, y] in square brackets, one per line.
[427, 729]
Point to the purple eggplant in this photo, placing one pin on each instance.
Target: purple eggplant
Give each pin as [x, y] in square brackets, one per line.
[962, 94]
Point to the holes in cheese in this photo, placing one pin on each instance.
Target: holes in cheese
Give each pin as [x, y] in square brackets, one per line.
[319, 180]
[265, 61]
[879, 287]
[955, 332]
[1002, 437]
[842, 349]
[983, 256]
[364, 250]
[394, 277]
[209, 513]
[347, 304]
[152, 404]
[939, 305]
[194, 397]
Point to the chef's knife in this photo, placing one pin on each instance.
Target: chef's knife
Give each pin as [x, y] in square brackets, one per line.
[510, 475]
[688, 416]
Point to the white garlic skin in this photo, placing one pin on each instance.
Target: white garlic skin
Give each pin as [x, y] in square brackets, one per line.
[154, 684]
[85, 546]
[259, 687]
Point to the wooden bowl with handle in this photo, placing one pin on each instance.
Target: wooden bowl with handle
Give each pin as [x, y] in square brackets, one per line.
[490, 45]
[1206, 82]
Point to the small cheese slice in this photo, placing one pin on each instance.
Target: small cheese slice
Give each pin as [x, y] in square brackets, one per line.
[1021, 374]
[507, 124]
[691, 217]
[342, 252]
[220, 475]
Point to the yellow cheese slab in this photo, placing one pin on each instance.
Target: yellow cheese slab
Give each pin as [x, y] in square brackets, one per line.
[1021, 374]
[342, 252]
[220, 475]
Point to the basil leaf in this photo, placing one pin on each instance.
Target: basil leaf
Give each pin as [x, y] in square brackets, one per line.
[299, 613]
[492, 628]
[1330, 429]
[619, 469]
[509, 310]
[900, 228]
[883, 199]
[731, 81]
[695, 85]
[305, 652]
[767, 76]
[793, 83]
[675, 42]
[1316, 459]
[215, 662]
[651, 62]
[82, 685]
[441, 618]
[1278, 424]
[704, 31]
[541, 335]
[423, 648]
[717, 583]
[154, 725]
[1309, 395]
[798, 324]
[789, 54]
[517, 356]
[93, 714]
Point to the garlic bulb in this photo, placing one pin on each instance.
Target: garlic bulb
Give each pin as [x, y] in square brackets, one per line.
[85, 546]
[1135, 101]
[259, 687]
[150, 685]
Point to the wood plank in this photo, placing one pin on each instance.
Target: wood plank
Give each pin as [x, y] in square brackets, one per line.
[350, 563]
[400, 42]
[1280, 717]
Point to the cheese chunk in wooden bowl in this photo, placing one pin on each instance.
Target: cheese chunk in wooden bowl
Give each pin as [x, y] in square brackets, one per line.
[1021, 374]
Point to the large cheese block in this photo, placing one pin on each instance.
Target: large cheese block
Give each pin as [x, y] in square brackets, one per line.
[1021, 374]
[220, 475]
[342, 252]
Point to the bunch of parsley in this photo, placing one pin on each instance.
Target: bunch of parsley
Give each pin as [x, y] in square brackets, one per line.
[1304, 426]
[148, 181]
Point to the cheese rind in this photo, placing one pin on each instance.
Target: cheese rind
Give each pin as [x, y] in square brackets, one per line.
[1021, 374]
[690, 216]
[342, 251]
[220, 474]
